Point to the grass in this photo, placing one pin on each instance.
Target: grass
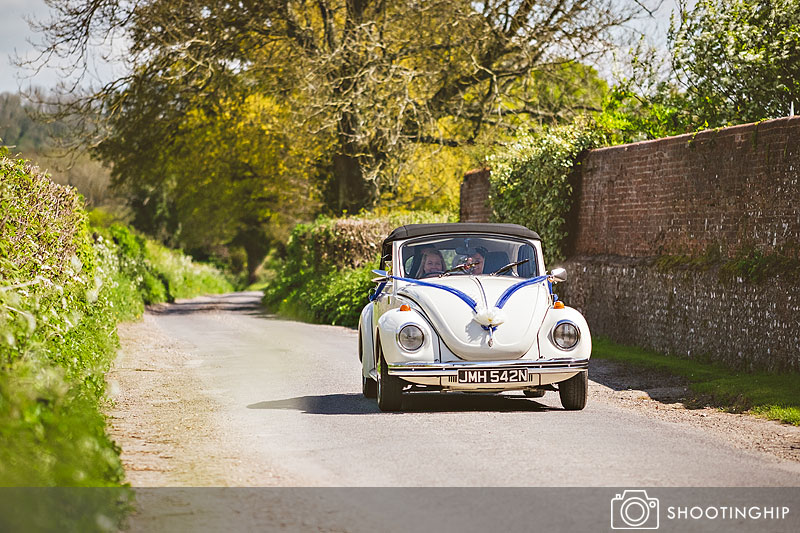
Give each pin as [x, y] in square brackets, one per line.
[771, 396]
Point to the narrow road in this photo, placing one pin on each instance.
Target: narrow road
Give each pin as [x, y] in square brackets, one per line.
[211, 391]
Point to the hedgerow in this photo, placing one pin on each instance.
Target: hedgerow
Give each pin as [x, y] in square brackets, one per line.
[57, 336]
[158, 273]
[326, 274]
[63, 288]
[530, 182]
[181, 276]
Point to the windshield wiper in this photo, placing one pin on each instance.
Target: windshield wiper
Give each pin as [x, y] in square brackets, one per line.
[508, 267]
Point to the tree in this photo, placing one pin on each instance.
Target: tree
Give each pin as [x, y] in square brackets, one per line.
[428, 176]
[374, 76]
[226, 174]
[738, 59]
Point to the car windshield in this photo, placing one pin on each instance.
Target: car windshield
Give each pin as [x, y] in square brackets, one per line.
[461, 255]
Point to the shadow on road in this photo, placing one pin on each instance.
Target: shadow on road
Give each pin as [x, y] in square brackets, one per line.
[244, 303]
[248, 302]
[329, 404]
[659, 386]
[356, 404]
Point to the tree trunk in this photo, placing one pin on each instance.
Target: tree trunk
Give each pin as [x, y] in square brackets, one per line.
[352, 190]
[253, 238]
[352, 193]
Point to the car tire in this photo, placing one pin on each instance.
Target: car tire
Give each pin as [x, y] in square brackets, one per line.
[390, 388]
[534, 393]
[573, 391]
[368, 387]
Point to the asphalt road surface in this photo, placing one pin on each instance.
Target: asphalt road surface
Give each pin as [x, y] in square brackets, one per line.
[256, 400]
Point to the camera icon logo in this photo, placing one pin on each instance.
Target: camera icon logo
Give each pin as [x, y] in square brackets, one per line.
[633, 509]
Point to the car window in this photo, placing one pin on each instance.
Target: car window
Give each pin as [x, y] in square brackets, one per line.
[431, 257]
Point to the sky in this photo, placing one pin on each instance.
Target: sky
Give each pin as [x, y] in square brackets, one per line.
[15, 36]
[15, 40]
[14, 33]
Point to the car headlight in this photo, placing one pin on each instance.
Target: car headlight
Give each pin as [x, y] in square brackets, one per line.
[566, 335]
[410, 337]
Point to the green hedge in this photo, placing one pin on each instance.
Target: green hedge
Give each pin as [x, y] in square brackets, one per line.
[57, 335]
[63, 288]
[158, 273]
[326, 274]
[182, 277]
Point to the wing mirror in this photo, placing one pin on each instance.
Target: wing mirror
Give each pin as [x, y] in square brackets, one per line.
[558, 274]
[383, 276]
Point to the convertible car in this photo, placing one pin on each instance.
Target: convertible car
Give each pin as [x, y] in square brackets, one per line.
[469, 307]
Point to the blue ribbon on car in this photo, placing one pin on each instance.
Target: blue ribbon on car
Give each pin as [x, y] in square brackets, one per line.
[374, 296]
[514, 288]
[467, 299]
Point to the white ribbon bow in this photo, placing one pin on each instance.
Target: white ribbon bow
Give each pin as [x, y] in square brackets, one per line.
[489, 317]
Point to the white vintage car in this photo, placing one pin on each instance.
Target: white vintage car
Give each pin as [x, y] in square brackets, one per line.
[469, 307]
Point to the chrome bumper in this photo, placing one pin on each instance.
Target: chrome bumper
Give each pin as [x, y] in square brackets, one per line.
[545, 366]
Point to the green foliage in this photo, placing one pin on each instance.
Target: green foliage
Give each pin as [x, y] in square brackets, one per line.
[18, 128]
[732, 62]
[339, 297]
[66, 509]
[530, 180]
[35, 133]
[222, 174]
[132, 256]
[334, 298]
[58, 313]
[157, 273]
[754, 266]
[62, 292]
[773, 396]
[628, 116]
[738, 58]
[326, 274]
[182, 277]
[43, 226]
[368, 82]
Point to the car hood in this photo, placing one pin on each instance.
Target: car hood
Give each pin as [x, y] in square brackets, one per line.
[456, 323]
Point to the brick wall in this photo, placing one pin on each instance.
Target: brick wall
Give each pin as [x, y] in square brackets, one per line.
[475, 196]
[735, 187]
[729, 189]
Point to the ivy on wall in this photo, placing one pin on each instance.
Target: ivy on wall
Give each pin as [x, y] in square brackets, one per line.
[529, 183]
[748, 265]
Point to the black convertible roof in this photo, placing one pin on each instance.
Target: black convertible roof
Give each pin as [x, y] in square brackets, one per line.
[418, 230]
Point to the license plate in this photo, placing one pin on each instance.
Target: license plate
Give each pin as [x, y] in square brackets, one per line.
[512, 375]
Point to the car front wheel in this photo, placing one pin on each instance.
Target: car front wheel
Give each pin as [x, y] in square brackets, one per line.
[573, 391]
[390, 388]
